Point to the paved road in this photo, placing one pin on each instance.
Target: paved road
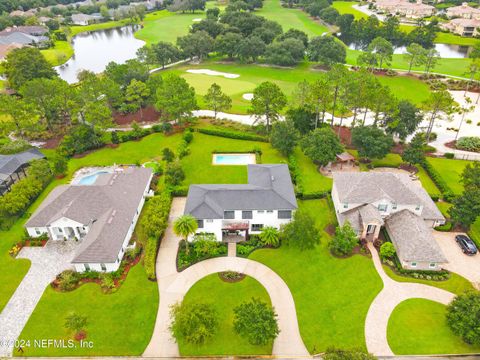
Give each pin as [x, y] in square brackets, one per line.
[392, 294]
[173, 286]
[46, 263]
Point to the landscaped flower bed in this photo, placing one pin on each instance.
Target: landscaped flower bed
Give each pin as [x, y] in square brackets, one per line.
[203, 247]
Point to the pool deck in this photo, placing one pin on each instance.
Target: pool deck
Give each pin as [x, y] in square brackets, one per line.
[250, 159]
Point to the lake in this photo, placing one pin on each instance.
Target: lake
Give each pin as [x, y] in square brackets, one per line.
[94, 50]
[445, 50]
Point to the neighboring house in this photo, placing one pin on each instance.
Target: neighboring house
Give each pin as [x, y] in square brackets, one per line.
[233, 211]
[405, 8]
[372, 200]
[462, 26]
[6, 48]
[44, 20]
[24, 35]
[12, 167]
[29, 30]
[85, 19]
[463, 11]
[102, 216]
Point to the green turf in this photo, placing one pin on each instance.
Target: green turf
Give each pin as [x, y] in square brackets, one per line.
[332, 296]
[346, 7]
[118, 324]
[456, 284]
[418, 326]
[224, 297]
[450, 170]
[286, 78]
[59, 53]
[291, 18]
[443, 207]
[77, 29]
[449, 38]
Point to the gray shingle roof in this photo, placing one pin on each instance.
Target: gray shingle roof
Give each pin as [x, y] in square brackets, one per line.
[11, 163]
[412, 238]
[368, 187]
[360, 217]
[269, 188]
[108, 208]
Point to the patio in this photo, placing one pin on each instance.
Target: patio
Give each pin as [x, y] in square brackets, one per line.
[233, 231]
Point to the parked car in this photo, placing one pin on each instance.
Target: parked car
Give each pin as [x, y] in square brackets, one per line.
[466, 244]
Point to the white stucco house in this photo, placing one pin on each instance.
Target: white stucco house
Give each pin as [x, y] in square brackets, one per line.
[372, 200]
[233, 211]
[100, 216]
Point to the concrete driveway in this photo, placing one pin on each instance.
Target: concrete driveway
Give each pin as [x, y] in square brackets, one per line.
[458, 262]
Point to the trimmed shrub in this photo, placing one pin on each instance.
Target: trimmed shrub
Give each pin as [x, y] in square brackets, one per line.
[445, 227]
[387, 250]
[232, 135]
[469, 143]
[447, 192]
[449, 155]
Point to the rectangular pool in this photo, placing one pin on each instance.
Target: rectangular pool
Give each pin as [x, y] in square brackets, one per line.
[234, 159]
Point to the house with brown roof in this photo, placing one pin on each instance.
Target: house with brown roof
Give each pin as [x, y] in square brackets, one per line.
[462, 26]
[464, 11]
[370, 201]
[100, 214]
[405, 8]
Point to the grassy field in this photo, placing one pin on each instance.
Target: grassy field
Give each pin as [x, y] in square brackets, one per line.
[225, 297]
[450, 170]
[456, 284]
[291, 18]
[109, 317]
[346, 7]
[418, 326]
[332, 296]
[59, 54]
[449, 38]
[286, 78]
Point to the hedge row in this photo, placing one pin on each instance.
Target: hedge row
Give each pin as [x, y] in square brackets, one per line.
[447, 192]
[232, 135]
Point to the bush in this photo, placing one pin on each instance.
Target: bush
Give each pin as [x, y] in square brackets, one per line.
[168, 155]
[462, 317]
[194, 323]
[188, 136]
[469, 143]
[81, 138]
[174, 174]
[183, 149]
[150, 257]
[344, 241]
[445, 227]
[68, 280]
[232, 135]
[13, 147]
[449, 155]
[337, 354]
[447, 192]
[204, 246]
[387, 250]
[164, 127]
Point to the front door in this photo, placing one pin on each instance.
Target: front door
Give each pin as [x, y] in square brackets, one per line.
[371, 229]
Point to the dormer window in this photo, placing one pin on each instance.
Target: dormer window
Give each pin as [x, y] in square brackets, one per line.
[345, 205]
[382, 207]
[394, 206]
[417, 207]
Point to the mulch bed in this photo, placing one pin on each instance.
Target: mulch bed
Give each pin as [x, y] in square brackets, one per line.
[330, 229]
[345, 134]
[451, 144]
[410, 168]
[223, 278]
[150, 115]
[52, 143]
[357, 250]
[398, 148]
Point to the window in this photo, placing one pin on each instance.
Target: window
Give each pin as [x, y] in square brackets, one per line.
[269, 211]
[104, 268]
[414, 264]
[87, 267]
[432, 265]
[229, 214]
[284, 214]
[257, 227]
[209, 220]
[345, 206]
[200, 223]
[394, 206]
[37, 230]
[418, 207]
[247, 214]
[260, 211]
[382, 207]
[60, 230]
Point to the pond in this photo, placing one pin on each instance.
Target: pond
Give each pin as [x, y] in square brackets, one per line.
[94, 50]
[445, 50]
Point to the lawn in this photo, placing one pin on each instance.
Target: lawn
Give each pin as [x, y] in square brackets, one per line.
[346, 7]
[59, 53]
[225, 297]
[450, 170]
[118, 324]
[449, 38]
[332, 296]
[443, 206]
[418, 326]
[291, 18]
[456, 284]
[286, 78]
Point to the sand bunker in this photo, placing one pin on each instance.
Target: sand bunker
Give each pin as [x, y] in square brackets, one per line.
[213, 73]
[248, 96]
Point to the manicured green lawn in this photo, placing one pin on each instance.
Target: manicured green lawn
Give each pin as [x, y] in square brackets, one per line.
[449, 38]
[450, 170]
[346, 7]
[286, 78]
[332, 296]
[118, 324]
[59, 54]
[456, 284]
[77, 29]
[225, 297]
[443, 206]
[418, 326]
[311, 179]
[291, 18]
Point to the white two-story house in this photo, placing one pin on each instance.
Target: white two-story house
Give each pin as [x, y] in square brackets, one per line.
[233, 211]
[101, 217]
[372, 200]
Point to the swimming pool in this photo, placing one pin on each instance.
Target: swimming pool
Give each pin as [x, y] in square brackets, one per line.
[233, 159]
[90, 179]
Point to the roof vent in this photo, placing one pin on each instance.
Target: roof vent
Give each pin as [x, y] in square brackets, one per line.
[273, 178]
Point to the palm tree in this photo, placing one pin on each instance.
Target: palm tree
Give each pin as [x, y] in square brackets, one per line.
[270, 236]
[184, 226]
